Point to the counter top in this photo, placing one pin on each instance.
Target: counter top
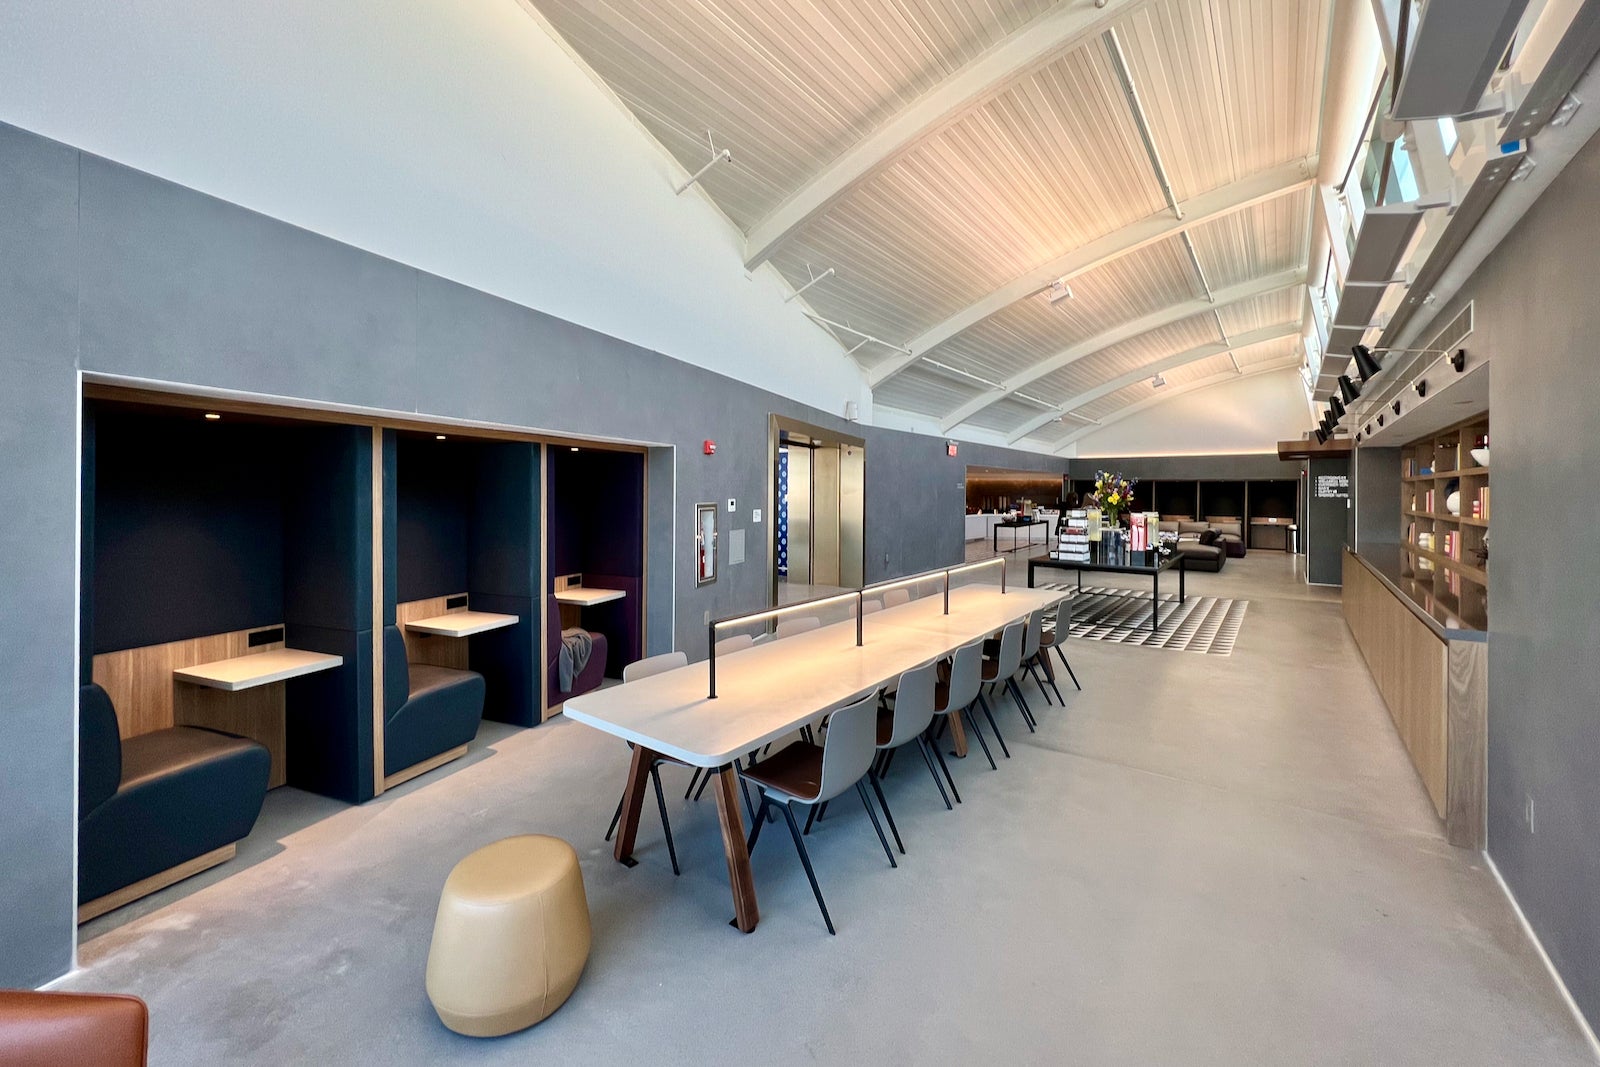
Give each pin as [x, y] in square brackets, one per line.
[1386, 562]
[587, 596]
[257, 668]
[461, 623]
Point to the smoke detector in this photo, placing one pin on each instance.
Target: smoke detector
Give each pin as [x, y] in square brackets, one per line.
[1157, 382]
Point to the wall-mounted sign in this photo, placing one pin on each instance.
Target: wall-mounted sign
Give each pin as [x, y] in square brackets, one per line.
[1332, 487]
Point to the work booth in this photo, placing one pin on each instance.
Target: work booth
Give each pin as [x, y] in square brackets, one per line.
[225, 634]
[595, 552]
[461, 604]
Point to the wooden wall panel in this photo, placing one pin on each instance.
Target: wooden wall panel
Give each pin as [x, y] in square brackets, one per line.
[1408, 663]
[435, 649]
[148, 698]
[1466, 807]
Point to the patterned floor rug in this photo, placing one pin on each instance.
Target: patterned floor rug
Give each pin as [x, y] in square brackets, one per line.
[1206, 624]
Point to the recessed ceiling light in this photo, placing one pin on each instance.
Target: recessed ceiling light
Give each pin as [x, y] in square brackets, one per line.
[574, 448]
[213, 416]
[438, 437]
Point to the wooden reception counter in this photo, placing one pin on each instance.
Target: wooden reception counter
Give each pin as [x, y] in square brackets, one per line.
[1433, 672]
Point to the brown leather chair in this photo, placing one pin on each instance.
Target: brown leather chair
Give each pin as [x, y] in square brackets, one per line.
[68, 1029]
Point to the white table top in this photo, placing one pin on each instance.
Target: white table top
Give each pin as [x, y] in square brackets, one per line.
[462, 623]
[259, 668]
[769, 690]
[587, 596]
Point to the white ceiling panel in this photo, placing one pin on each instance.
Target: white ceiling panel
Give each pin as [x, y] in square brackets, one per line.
[787, 87]
[1263, 239]
[1232, 87]
[1046, 166]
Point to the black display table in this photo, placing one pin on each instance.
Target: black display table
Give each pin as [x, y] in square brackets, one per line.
[1018, 524]
[1107, 561]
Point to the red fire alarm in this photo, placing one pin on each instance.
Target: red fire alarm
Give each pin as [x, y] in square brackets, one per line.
[711, 448]
[949, 448]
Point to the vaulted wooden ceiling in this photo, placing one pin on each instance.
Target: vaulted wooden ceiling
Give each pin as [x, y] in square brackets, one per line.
[951, 160]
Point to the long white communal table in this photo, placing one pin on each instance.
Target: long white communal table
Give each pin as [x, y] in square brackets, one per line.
[770, 690]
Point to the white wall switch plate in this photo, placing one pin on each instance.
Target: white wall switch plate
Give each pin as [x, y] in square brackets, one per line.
[755, 515]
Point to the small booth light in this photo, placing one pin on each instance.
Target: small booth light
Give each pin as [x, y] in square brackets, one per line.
[574, 448]
[212, 416]
[438, 437]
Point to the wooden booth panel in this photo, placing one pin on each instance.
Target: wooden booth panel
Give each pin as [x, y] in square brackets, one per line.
[147, 697]
[434, 649]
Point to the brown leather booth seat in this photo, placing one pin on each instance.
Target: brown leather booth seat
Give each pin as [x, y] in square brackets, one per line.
[61, 1029]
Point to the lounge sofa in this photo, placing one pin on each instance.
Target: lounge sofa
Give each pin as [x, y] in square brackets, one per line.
[1202, 551]
[427, 710]
[593, 673]
[158, 800]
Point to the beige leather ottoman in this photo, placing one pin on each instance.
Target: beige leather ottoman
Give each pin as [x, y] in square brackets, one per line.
[511, 936]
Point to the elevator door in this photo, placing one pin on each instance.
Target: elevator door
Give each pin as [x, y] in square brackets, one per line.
[820, 500]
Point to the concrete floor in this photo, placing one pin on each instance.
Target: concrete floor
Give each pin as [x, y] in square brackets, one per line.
[1202, 859]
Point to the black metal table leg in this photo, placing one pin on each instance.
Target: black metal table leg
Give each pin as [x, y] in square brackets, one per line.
[1155, 605]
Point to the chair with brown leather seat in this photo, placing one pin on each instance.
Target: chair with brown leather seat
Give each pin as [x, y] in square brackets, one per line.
[809, 774]
[1054, 638]
[1001, 669]
[645, 668]
[51, 1029]
[906, 723]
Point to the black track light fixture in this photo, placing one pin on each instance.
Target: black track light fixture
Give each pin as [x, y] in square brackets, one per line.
[1421, 386]
[1337, 406]
[1380, 420]
[1395, 407]
[1322, 436]
[1459, 360]
[1348, 389]
[1358, 439]
[1366, 363]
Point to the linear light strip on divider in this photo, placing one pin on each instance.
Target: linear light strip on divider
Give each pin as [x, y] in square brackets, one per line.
[772, 613]
[856, 595]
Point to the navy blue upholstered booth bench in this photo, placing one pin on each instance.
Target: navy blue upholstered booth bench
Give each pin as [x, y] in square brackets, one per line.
[159, 807]
[430, 713]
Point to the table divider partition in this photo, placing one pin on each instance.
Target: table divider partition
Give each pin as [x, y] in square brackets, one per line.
[856, 595]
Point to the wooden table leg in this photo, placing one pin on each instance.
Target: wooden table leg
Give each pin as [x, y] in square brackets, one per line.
[745, 912]
[632, 804]
[958, 735]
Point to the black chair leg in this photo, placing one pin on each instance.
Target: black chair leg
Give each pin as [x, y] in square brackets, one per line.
[972, 724]
[922, 746]
[887, 814]
[866, 802]
[1015, 691]
[616, 816]
[1068, 666]
[694, 779]
[755, 829]
[945, 767]
[818, 813]
[705, 780]
[811, 816]
[666, 825]
[1038, 679]
[805, 861]
[987, 714]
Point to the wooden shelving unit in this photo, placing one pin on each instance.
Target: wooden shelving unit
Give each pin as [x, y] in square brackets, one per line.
[1448, 550]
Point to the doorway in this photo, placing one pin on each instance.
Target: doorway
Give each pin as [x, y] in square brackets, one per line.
[817, 498]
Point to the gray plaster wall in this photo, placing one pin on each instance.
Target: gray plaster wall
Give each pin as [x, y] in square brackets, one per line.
[110, 271]
[1538, 319]
[1184, 468]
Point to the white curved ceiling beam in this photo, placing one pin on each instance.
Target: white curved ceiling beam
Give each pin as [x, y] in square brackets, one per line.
[1063, 27]
[1147, 231]
[1160, 366]
[1166, 316]
[1287, 363]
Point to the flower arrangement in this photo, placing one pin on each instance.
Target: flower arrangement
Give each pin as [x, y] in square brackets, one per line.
[1113, 493]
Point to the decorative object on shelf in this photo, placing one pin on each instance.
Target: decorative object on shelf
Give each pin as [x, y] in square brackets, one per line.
[1452, 503]
[1114, 494]
[1480, 450]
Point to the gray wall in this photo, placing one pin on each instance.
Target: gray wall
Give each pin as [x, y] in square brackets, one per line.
[1538, 317]
[1375, 489]
[112, 271]
[1182, 468]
